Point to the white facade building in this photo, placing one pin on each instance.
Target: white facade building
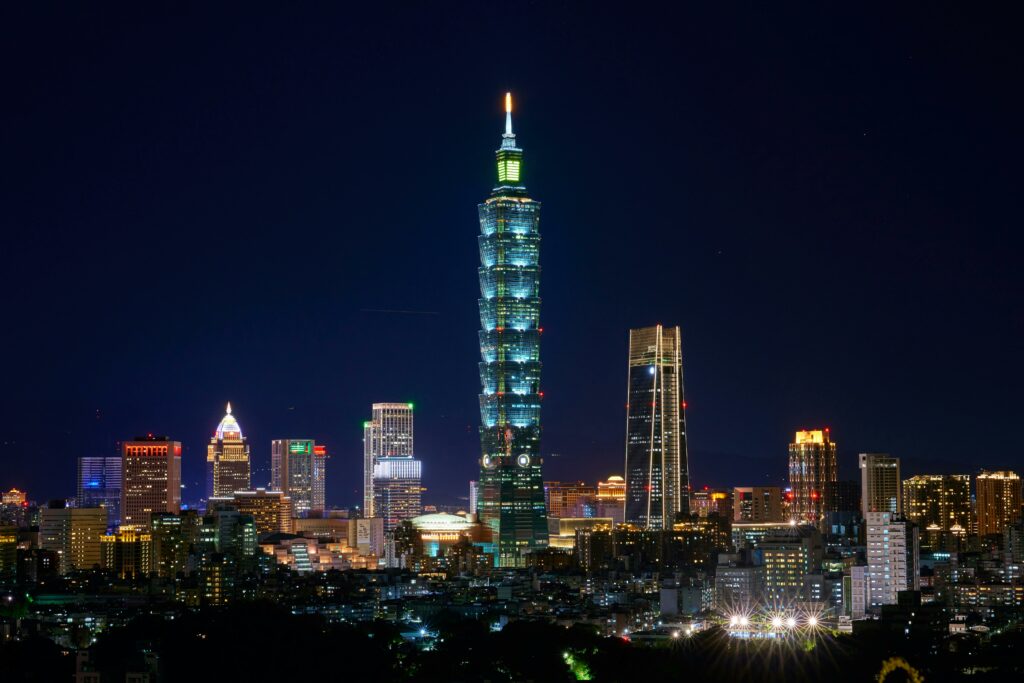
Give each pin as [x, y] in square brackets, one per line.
[892, 558]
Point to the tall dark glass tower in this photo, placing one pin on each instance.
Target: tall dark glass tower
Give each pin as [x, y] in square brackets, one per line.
[511, 486]
[657, 471]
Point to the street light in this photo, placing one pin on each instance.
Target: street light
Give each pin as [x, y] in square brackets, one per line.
[791, 622]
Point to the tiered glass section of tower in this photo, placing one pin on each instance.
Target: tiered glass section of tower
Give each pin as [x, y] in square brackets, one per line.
[512, 499]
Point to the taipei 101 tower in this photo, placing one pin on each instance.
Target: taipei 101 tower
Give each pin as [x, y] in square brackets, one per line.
[511, 487]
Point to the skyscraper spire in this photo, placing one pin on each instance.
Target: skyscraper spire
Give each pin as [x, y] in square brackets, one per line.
[510, 157]
[508, 116]
[229, 407]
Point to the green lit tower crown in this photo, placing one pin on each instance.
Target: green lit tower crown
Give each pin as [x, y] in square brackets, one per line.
[511, 487]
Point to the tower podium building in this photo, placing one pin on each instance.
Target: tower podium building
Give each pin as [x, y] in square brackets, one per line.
[387, 434]
[397, 490]
[657, 470]
[511, 499]
[227, 459]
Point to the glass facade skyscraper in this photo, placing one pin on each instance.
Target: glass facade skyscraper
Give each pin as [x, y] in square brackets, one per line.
[511, 488]
[99, 484]
[657, 468]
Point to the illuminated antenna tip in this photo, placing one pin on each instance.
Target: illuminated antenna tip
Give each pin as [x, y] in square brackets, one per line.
[508, 115]
[229, 407]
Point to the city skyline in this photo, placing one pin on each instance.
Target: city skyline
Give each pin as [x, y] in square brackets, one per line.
[280, 376]
[735, 217]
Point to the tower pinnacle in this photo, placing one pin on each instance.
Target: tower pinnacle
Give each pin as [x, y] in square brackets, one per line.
[508, 115]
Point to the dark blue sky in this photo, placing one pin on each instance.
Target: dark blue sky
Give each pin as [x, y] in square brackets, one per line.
[208, 206]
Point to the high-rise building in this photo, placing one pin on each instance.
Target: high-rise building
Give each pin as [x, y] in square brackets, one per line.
[757, 504]
[788, 556]
[73, 533]
[8, 551]
[174, 538]
[739, 582]
[612, 489]
[712, 502]
[474, 494]
[562, 498]
[387, 434]
[319, 478]
[99, 485]
[609, 502]
[397, 490]
[998, 497]
[939, 500]
[858, 592]
[367, 536]
[511, 485]
[151, 471]
[227, 531]
[227, 459]
[812, 465]
[127, 553]
[13, 497]
[880, 483]
[892, 551]
[271, 510]
[843, 496]
[657, 471]
[293, 470]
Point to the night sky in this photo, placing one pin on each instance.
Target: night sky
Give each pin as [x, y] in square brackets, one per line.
[201, 207]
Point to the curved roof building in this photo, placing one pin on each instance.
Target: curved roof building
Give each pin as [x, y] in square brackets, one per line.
[227, 459]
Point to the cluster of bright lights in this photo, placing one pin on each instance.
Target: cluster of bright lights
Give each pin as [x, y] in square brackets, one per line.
[687, 632]
[777, 621]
